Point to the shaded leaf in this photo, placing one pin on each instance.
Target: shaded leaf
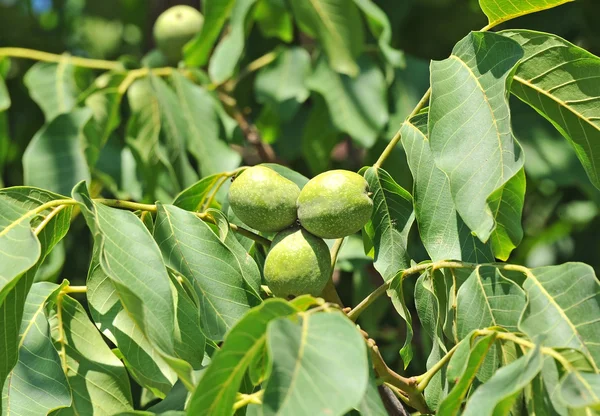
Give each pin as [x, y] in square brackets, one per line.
[396, 294]
[358, 106]
[499, 11]
[559, 80]
[319, 137]
[191, 248]
[391, 219]
[274, 19]
[338, 27]
[319, 366]
[443, 232]
[215, 393]
[564, 306]
[37, 383]
[55, 159]
[105, 106]
[578, 389]
[469, 124]
[52, 86]
[230, 49]
[380, 27]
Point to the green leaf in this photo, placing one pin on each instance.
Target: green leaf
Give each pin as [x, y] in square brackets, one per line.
[4, 97]
[506, 204]
[37, 384]
[216, 12]
[489, 299]
[21, 253]
[380, 27]
[141, 359]
[55, 159]
[559, 80]
[371, 403]
[469, 124]
[203, 128]
[499, 11]
[564, 306]
[230, 49]
[499, 393]
[215, 393]
[191, 248]
[97, 378]
[451, 405]
[282, 84]
[195, 196]
[396, 294]
[358, 106]
[392, 219]
[579, 390]
[338, 27]
[319, 137]
[442, 231]
[105, 106]
[132, 260]
[274, 20]
[319, 366]
[52, 86]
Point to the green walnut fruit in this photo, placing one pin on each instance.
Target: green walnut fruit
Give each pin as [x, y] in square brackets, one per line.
[298, 263]
[174, 28]
[263, 199]
[335, 204]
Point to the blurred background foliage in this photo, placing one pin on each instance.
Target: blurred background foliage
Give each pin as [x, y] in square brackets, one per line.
[311, 117]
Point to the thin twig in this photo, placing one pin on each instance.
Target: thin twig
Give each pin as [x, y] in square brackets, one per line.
[51, 57]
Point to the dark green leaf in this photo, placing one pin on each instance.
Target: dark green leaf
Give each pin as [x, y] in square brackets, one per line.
[215, 393]
[274, 19]
[105, 106]
[469, 124]
[319, 137]
[319, 366]
[194, 197]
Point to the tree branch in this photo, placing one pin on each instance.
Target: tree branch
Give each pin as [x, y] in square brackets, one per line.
[51, 57]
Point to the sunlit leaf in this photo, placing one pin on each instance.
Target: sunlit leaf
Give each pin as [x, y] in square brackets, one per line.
[357, 105]
[380, 27]
[338, 27]
[442, 231]
[97, 378]
[559, 80]
[564, 306]
[215, 393]
[37, 384]
[305, 355]
[499, 11]
[469, 124]
[55, 158]
[191, 248]
[193, 197]
[274, 19]
[498, 394]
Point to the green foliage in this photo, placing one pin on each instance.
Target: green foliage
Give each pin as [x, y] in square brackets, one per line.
[159, 287]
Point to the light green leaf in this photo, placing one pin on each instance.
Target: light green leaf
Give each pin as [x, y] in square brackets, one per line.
[191, 248]
[451, 405]
[52, 86]
[371, 403]
[564, 306]
[215, 393]
[274, 19]
[579, 390]
[132, 260]
[499, 11]
[230, 49]
[380, 27]
[282, 84]
[489, 299]
[141, 359]
[559, 80]
[391, 219]
[338, 26]
[358, 106]
[55, 159]
[105, 106]
[194, 197]
[498, 394]
[506, 204]
[37, 384]
[4, 97]
[204, 128]
[197, 51]
[442, 231]
[97, 378]
[305, 355]
[21, 253]
[469, 124]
